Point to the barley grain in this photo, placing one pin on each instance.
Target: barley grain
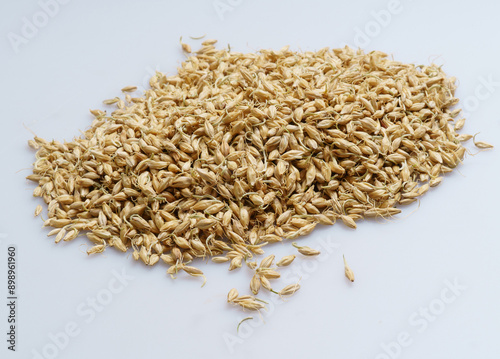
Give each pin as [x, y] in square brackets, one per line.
[348, 272]
[237, 151]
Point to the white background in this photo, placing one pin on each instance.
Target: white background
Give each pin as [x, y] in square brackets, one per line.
[90, 49]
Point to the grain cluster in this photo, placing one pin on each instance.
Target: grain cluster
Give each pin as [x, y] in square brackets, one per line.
[237, 151]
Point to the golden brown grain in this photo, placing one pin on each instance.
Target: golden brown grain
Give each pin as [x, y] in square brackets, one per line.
[285, 261]
[129, 89]
[38, 210]
[186, 48]
[236, 151]
[289, 290]
[348, 272]
[255, 284]
[307, 251]
[232, 295]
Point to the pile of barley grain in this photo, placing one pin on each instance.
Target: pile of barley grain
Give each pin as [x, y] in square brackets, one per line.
[240, 150]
